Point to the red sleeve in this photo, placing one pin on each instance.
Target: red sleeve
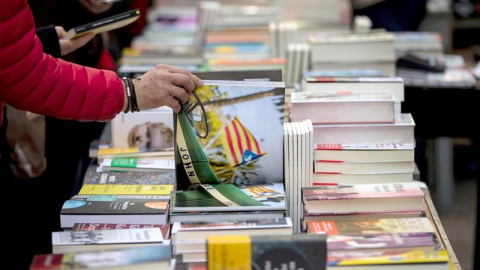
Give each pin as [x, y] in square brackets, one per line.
[33, 81]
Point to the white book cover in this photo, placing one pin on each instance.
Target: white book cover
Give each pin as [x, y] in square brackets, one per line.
[104, 237]
[291, 170]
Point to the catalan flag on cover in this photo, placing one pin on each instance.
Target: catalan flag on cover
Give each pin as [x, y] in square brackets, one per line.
[239, 144]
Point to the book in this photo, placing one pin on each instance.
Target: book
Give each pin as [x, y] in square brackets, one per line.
[364, 152]
[137, 164]
[420, 225]
[342, 107]
[237, 145]
[77, 241]
[146, 258]
[401, 131]
[394, 241]
[363, 198]
[150, 129]
[364, 167]
[268, 197]
[121, 152]
[166, 177]
[355, 84]
[104, 25]
[323, 178]
[199, 231]
[115, 210]
[99, 189]
[347, 46]
[299, 251]
[208, 216]
[165, 229]
[388, 259]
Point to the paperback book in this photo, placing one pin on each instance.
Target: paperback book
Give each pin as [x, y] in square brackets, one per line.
[137, 164]
[300, 251]
[76, 241]
[101, 189]
[371, 152]
[166, 177]
[142, 211]
[221, 145]
[394, 241]
[165, 229]
[420, 225]
[155, 257]
[363, 198]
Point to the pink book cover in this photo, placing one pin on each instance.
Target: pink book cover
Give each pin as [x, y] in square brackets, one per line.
[362, 191]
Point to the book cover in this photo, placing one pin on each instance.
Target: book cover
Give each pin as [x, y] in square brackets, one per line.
[101, 189]
[334, 166]
[374, 226]
[166, 177]
[220, 144]
[155, 257]
[165, 229]
[150, 129]
[103, 25]
[144, 211]
[320, 178]
[296, 251]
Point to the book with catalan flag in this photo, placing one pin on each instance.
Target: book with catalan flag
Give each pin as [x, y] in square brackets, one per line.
[220, 145]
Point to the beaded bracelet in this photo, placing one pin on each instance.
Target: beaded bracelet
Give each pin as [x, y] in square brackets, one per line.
[127, 90]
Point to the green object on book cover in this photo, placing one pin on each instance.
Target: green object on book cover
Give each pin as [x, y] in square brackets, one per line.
[201, 198]
[199, 160]
[124, 162]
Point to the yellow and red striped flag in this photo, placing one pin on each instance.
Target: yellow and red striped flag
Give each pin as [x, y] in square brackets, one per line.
[239, 144]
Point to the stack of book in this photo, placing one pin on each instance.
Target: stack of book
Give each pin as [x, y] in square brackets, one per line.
[189, 238]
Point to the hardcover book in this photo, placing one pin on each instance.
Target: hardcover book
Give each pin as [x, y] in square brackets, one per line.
[320, 178]
[420, 225]
[296, 251]
[142, 211]
[329, 166]
[147, 258]
[104, 25]
[363, 198]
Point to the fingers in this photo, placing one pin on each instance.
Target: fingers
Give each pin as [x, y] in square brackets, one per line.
[69, 45]
[82, 40]
[60, 31]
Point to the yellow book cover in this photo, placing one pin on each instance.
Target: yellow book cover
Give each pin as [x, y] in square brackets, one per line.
[126, 190]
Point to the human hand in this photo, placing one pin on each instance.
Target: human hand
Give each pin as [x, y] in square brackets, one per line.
[96, 7]
[165, 85]
[69, 45]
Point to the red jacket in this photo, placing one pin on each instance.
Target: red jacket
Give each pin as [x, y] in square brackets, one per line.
[33, 81]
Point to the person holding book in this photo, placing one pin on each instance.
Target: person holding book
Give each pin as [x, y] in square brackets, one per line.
[34, 81]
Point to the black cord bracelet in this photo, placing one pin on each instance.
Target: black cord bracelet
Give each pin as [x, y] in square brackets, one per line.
[127, 90]
[134, 97]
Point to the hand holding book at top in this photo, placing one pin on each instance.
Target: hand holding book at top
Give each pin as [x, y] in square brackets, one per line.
[164, 85]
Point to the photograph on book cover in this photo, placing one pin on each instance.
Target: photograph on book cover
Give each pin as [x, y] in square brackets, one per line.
[221, 140]
[241, 144]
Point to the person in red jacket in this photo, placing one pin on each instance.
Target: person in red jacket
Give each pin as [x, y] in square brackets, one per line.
[33, 81]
